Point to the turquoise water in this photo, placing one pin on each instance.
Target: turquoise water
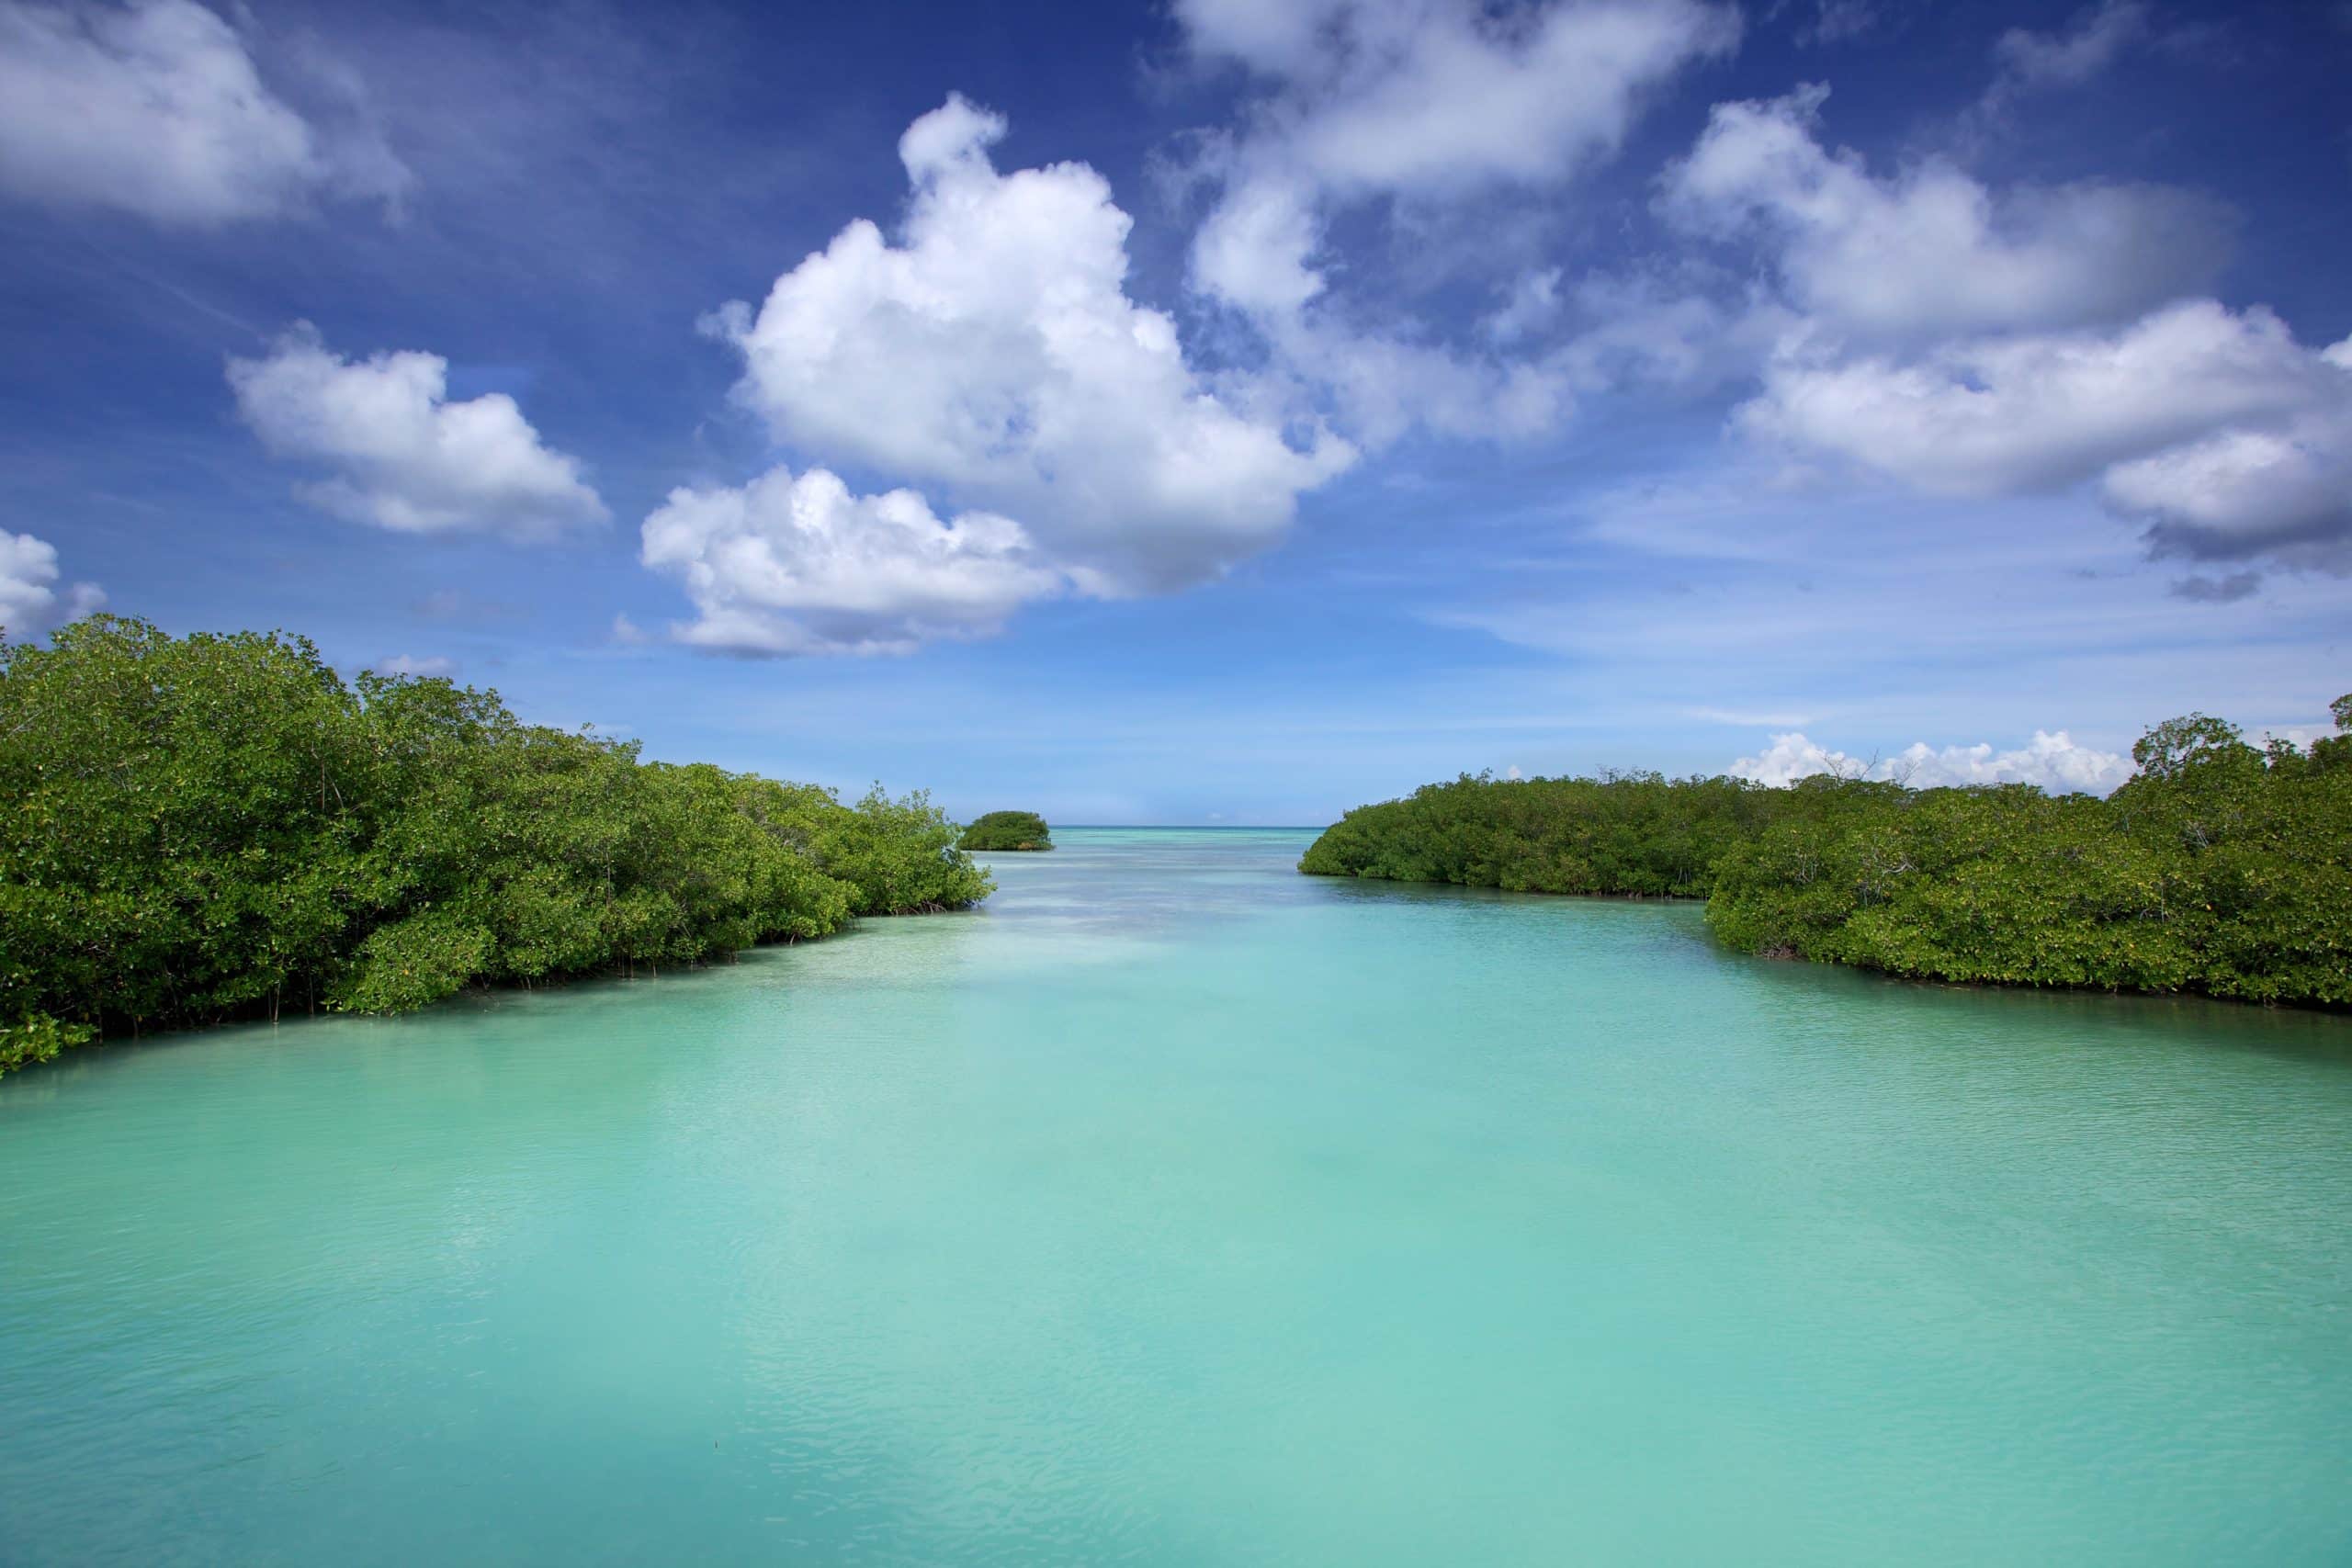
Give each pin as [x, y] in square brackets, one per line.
[1177, 1209]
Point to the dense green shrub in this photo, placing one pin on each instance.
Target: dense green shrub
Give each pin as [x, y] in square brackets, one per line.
[899, 856]
[2003, 884]
[1008, 830]
[2218, 868]
[204, 828]
[1631, 833]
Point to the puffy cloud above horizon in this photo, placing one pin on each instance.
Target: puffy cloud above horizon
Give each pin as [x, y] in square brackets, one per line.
[1429, 104]
[30, 600]
[994, 352]
[800, 565]
[2029, 411]
[158, 107]
[2051, 760]
[400, 454]
[1923, 325]
[1933, 251]
[2216, 428]
[1965, 340]
[2283, 494]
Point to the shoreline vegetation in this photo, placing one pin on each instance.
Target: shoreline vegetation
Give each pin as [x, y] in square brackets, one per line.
[2220, 868]
[1001, 831]
[212, 828]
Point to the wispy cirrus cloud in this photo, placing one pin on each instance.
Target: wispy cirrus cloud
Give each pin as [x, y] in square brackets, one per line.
[159, 107]
[1356, 102]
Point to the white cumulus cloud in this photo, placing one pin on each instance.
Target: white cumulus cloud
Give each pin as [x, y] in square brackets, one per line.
[994, 350]
[30, 600]
[2283, 493]
[2030, 410]
[794, 564]
[400, 454]
[157, 107]
[1256, 250]
[2052, 759]
[1971, 341]
[2216, 429]
[1933, 251]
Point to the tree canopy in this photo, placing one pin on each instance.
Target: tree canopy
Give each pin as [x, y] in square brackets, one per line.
[1008, 830]
[212, 827]
[2220, 867]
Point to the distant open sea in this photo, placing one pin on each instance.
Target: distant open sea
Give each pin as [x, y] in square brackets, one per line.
[1179, 1209]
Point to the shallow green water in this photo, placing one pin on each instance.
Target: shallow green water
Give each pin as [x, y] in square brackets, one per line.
[1181, 1210]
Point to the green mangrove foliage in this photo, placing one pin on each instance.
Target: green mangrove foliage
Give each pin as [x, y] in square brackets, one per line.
[2219, 867]
[1626, 833]
[204, 828]
[1008, 830]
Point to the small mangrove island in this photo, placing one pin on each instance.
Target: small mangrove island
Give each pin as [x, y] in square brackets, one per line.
[206, 828]
[2220, 867]
[998, 830]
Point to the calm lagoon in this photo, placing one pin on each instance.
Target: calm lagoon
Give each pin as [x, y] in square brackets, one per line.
[1177, 1209]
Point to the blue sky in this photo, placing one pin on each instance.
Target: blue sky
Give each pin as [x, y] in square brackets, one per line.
[1212, 411]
